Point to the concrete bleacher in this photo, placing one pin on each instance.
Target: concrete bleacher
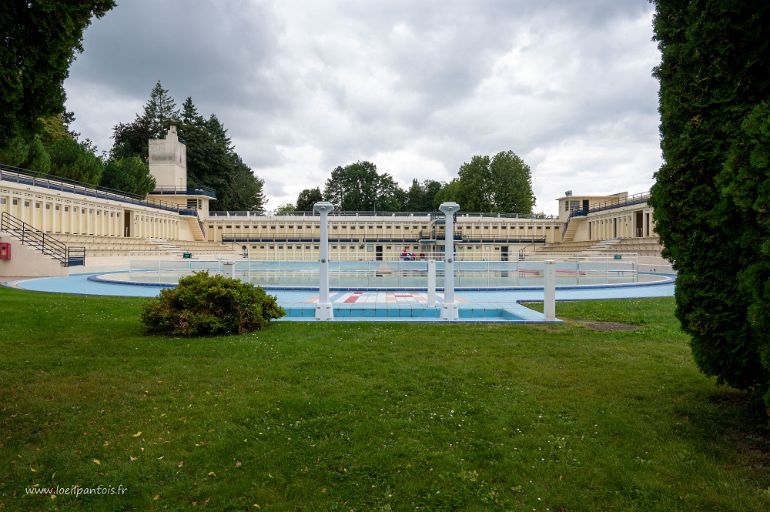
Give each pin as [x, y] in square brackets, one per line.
[111, 246]
[647, 246]
[565, 247]
[203, 248]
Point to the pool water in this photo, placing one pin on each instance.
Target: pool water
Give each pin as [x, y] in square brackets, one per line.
[391, 313]
[403, 275]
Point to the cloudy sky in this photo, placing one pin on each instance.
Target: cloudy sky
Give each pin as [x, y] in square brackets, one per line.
[416, 86]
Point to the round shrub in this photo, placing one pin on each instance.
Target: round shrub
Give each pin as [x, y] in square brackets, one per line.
[206, 304]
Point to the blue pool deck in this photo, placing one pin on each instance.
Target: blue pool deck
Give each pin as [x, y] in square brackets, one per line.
[349, 305]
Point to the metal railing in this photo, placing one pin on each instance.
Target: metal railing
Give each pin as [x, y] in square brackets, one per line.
[424, 215]
[47, 245]
[611, 205]
[27, 177]
[189, 191]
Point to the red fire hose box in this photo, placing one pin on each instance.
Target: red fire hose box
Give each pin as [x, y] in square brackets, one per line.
[5, 251]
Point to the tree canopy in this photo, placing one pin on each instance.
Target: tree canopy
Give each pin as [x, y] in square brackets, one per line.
[307, 198]
[712, 193]
[211, 158]
[502, 183]
[39, 43]
[359, 187]
[130, 174]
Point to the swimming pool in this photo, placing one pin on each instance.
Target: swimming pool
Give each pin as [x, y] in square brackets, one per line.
[485, 298]
[395, 275]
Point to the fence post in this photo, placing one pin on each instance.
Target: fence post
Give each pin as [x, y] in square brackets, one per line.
[431, 283]
[549, 290]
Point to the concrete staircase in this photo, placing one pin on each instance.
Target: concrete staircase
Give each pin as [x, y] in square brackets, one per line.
[603, 246]
[572, 227]
[196, 229]
[166, 247]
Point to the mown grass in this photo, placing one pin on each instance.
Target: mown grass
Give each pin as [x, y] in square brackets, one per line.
[357, 416]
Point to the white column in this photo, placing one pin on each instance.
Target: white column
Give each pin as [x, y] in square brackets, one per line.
[449, 307]
[431, 283]
[324, 309]
[549, 290]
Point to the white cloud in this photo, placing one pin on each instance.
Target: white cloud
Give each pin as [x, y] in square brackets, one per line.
[416, 87]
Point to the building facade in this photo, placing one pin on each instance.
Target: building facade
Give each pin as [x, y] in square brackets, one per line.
[176, 212]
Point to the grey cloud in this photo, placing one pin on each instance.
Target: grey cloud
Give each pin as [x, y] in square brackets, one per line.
[305, 86]
[213, 52]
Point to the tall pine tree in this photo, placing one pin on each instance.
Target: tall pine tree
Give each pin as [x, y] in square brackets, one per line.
[211, 158]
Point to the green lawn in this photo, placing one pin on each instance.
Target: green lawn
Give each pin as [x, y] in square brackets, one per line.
[357, 416]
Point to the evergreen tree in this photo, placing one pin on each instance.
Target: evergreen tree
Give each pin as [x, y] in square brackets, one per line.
[38, 45]
[711, 195]
[211, 158]
[129, 174]
[159, 114]
[75, 161]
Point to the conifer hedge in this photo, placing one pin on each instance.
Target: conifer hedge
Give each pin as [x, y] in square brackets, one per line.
[712, 194]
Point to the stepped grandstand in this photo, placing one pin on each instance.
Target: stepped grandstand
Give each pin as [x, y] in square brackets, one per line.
[73, 224]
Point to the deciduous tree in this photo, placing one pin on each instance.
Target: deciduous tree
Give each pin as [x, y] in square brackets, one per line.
[307, 198]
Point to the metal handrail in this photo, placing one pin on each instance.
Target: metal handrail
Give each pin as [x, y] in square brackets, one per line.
[46, 244]
[641, 197]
